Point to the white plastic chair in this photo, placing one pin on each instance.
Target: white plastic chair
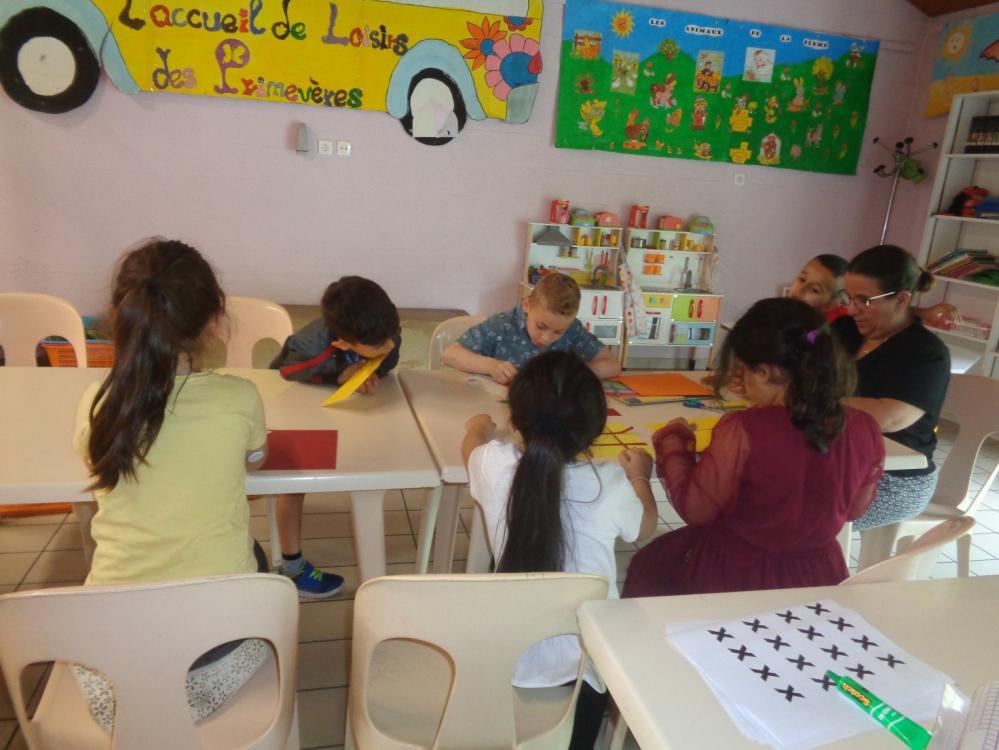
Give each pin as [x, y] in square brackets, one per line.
[252, 320]
[973, 402]
[433, 657]
[915, 560]
[144, 637]
[26, 319]
[446, 333]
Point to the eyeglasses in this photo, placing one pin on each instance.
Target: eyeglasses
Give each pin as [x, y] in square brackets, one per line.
[861, 301]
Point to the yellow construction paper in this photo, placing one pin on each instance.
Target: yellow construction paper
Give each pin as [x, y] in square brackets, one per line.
[614, 439]
[702, 427]
[354, 382]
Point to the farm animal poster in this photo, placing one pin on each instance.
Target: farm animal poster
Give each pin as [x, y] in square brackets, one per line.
[642, 80]
[966, 61]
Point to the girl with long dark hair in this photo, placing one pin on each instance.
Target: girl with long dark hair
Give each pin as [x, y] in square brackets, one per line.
[764, 504]
[550, 508]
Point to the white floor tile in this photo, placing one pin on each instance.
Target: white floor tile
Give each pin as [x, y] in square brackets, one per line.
[325, 621]
[989, 543]
[25, 538]
[47, 520]
[67, 566]
[323, 664]
[986, 520]
[322, 716]
[15, 565]
[66, 538]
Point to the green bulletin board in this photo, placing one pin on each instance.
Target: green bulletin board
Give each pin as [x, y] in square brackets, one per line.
[642, 80]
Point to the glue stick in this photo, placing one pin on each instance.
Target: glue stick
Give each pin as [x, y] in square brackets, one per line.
[913, 735]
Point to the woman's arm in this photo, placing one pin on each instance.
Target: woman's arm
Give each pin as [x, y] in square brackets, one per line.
[891, 414]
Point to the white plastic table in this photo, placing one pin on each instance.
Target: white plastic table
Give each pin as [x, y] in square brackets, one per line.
[443, 400]
[950, 624]
[380, 447]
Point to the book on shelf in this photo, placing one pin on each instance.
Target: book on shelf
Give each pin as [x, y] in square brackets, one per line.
[964, 262]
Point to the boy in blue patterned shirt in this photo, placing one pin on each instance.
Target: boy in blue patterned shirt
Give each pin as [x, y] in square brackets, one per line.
[546, 321]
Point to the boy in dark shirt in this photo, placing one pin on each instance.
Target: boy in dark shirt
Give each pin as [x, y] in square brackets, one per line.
[359, 323]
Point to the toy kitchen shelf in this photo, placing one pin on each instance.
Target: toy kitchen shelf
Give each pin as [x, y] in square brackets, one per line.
[674, 270]
[946, 232]
[590, 256]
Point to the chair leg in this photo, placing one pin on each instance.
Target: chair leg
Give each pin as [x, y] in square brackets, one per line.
[447, 524]
[367, 513]
[479, 555]
[613, 731]
[876, 545]
[964, 556]
[294, 742]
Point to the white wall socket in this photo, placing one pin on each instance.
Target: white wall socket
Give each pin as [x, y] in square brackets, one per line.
[740, 178]
[326, 148]
[343, 148]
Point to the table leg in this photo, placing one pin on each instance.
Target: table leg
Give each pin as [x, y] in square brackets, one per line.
[84, 513]
[367, 511]
[275, 535]
[447, 524]
[428, 521]
[479, 555]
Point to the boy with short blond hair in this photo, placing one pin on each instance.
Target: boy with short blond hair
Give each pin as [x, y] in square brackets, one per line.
[545, 321]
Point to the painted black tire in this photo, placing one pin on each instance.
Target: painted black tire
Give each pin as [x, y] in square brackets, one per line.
[43, 22]
[459, 106]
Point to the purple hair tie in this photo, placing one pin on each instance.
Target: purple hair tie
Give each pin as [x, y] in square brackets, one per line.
[812, 335]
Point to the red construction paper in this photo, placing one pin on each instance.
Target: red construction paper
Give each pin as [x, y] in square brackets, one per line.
[300, 449]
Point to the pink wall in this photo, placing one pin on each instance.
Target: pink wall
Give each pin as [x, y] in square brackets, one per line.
[438, 227]
[912, 202]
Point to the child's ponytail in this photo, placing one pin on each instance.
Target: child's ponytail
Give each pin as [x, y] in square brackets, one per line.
[791, 335]
[557, 405]
[164, 296]
[820, 377]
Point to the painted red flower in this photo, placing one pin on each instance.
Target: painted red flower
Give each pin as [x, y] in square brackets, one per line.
[482, 42]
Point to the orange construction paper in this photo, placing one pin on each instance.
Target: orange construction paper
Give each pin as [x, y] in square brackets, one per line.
[663, 384]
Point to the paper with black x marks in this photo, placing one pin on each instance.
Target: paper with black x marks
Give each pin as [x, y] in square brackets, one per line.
[768, 670]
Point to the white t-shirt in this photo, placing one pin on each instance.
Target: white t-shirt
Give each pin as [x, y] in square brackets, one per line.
[599, 505]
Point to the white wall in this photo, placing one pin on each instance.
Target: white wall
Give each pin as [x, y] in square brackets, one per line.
[438, 227]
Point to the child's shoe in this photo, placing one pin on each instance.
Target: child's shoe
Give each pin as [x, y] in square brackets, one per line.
[315, 584]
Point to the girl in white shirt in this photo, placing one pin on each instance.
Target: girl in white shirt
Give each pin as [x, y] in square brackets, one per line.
[550, 508]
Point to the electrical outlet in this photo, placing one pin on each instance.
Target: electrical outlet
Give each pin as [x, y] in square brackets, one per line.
[343, 148]
[326, 148]
[740, 178]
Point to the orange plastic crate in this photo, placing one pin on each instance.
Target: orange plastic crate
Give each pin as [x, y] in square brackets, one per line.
[61, 354]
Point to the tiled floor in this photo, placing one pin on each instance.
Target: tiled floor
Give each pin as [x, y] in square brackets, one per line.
[45, 551]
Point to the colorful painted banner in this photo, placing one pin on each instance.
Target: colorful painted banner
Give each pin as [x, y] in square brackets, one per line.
[642, 80]
[967, 60]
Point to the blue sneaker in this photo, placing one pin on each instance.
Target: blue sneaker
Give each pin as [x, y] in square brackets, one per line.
[315, 584]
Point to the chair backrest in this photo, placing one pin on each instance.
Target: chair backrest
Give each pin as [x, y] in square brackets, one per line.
[26, 319]
[253, 319]
[144, 637]
[973, 402]
[447, 333]
[914, 561]
[483, 623]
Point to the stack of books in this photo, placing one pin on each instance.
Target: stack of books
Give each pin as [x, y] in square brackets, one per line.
[970, 265]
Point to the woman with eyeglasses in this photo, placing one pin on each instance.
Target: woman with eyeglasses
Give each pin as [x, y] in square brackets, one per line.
[902, 371]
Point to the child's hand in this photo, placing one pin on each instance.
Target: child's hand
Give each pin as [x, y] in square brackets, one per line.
[503, 372]
[370, 385]
[481, 423]
[636, 463]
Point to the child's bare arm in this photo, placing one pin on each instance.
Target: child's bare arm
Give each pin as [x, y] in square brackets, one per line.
[477, 432]
[605, 365]
[463, 359]
[638, 468]
[256, 458]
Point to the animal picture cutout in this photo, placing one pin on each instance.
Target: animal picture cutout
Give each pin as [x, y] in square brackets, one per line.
[644, 80]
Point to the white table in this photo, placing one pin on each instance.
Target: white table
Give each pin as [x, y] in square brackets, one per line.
[950, 624]
[380, 447]
[443, 400]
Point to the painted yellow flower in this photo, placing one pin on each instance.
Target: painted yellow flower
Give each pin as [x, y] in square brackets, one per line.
[623, 23]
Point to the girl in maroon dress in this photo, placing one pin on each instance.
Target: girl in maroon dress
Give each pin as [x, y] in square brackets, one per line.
[764, 504]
